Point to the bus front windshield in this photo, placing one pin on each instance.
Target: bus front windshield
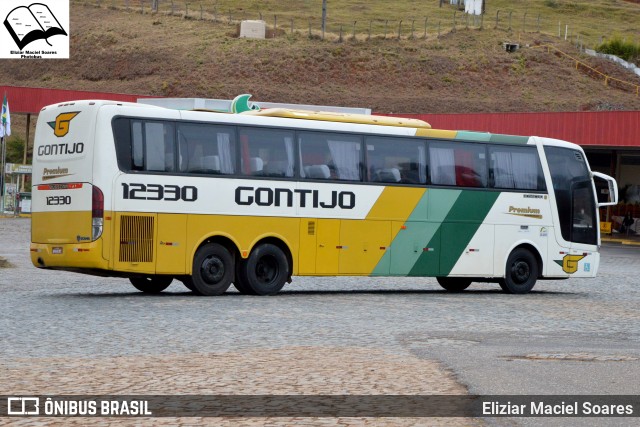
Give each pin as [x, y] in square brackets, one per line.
[573, 189]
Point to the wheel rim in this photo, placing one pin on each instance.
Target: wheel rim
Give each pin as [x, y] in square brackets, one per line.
[520, 272]
[267, 269]
[212, 270]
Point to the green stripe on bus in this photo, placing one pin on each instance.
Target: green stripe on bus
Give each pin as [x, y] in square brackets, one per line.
[510, 139]
[454, 233]
[409, 243]
[473, 136]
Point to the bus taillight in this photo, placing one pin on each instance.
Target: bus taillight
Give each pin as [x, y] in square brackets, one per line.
[97, 212]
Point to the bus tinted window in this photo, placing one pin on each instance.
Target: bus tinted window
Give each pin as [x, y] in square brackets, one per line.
[460, 164]
[152, 146]
[515, 168]
[330, 156]
[207, 149]
[396, 160]
[266, 152]
[573, 189]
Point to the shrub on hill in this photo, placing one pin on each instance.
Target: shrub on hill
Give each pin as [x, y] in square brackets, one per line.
[627, 50]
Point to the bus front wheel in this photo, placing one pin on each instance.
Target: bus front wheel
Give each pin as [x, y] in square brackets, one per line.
[151, 284]
[454, 284]
[212, 270]
[521, 272]
[265, 271]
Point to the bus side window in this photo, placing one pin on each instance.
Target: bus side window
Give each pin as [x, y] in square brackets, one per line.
[266, 152]
[159, 147]
[330, 156]
[396, 160]
[515, 168]
[206, 149]
[137, 146]
[460, 164]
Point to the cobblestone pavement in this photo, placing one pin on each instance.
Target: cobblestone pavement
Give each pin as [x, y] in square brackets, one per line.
[70, 333]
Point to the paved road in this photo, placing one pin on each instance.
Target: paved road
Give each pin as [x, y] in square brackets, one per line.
[566, 337]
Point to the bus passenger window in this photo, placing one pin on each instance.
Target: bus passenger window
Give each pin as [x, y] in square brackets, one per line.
[137, 148]
[330, 156]
[460, 164]
[396, 160]
[206, 149]
[152, 146]
[516, 168]
[266, 152]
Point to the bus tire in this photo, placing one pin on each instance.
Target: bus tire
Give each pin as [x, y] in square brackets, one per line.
[151, 284]
[212, 270]
[240, 282]
[521, 272]
[454, 284]
[265, 271]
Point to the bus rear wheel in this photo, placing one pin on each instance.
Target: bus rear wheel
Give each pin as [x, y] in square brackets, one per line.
[264, 272]
[151, 284]
[454, 284]
[212, 271]
[521, 272]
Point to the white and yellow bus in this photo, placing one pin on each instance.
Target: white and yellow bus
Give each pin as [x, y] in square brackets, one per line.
[154, 194]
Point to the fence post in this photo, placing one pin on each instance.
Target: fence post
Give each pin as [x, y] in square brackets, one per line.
[538, 22]
[386, 24]
[309, 27]
[291, 26]
[353, 36]
[229, 16]
[524, 23]
[425, 27]
[413, 22]
[201, 12]
[340, 38]
[369, 35]
[399, 29]
[454, 20]
[482, 21]
[510, 13]
[154, 5]
[186, 10]
[566, 31]
[497, 16]
[275, 25]
[439, 22]
[559, 29]
[142, 8]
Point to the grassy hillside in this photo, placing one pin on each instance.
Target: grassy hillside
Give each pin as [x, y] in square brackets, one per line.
[466, 70]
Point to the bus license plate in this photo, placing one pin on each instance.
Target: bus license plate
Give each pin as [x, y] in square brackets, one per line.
[57, 250]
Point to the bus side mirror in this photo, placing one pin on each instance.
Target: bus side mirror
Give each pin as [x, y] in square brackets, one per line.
[606, 189]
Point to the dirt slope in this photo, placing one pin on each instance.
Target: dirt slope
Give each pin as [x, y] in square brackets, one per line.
[465, 71]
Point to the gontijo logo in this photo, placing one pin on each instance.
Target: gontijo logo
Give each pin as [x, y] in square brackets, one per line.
[570, 263]
[61, 125]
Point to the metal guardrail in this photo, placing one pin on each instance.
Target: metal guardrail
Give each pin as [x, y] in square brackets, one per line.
[579, 63]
